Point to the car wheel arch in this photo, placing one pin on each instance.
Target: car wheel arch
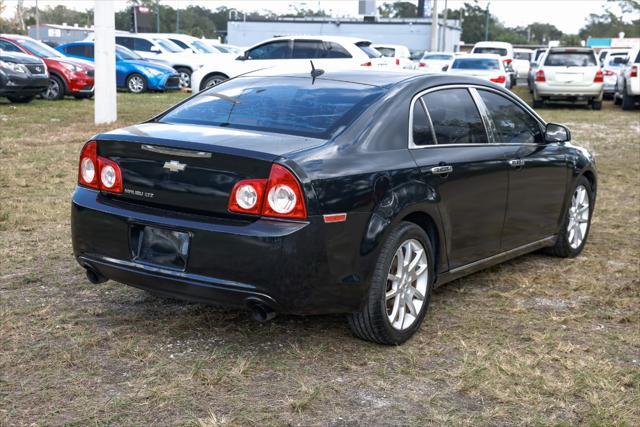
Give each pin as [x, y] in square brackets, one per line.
[61, 77]
[211, 74]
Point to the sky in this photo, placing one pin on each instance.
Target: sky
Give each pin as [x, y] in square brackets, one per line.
[567, 15]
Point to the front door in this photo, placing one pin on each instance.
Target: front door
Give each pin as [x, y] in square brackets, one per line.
[469, 175]
[537, 172]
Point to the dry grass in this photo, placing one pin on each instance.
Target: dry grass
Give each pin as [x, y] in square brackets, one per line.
[536, 341]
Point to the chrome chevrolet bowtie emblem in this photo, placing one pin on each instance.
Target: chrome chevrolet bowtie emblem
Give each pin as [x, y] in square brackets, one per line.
[174, 166]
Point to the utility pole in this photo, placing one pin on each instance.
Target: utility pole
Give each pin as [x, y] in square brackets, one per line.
[434, 26]
[158, 17]
[486, 22]
[444, 26]
[135, 18]
[178, 20]
[105, 105]
[37, 21]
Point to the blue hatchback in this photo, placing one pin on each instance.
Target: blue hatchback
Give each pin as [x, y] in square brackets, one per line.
[133, 72]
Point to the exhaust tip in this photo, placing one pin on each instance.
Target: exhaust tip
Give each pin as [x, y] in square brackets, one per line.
[93, 276]
[261, 312]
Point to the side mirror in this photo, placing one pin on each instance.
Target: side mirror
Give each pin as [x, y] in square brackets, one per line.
[242, 57]
[445, 68]
[154, 49]
[557, 133]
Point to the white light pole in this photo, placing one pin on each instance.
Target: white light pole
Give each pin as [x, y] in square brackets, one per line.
[105, 105]
[434, 26]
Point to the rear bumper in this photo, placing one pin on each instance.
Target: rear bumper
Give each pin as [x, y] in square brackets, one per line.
[560, 91]
[284, 265]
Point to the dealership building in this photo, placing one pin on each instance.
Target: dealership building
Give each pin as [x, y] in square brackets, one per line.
[415, 33]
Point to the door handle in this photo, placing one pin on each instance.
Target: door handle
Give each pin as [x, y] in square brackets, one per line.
[441, 170]
[516, 163]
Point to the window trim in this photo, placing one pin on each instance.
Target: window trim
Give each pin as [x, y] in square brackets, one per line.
[482, 111]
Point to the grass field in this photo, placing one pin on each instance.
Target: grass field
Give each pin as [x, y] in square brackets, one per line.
[535, 341]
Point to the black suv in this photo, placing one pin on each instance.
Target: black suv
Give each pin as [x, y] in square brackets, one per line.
[22, 77]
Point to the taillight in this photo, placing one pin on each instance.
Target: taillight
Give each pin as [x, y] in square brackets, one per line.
[540, 76]
[88, 167]
[609, 73]
[397, 61]
[366, 64]
[98, 172]
[634, 71]
[599, 78]
[422, 64]
[499, 79]
[507, 61]
[280, 196]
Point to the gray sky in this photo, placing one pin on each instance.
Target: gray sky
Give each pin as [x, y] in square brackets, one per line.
[567, 15]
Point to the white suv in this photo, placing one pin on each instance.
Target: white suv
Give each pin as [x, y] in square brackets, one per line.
[156, 48]
[505, 50]
[293, 51]
[568, 74]
[628, 86]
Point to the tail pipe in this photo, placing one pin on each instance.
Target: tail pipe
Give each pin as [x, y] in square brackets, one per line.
[93, 276]
[260, 311]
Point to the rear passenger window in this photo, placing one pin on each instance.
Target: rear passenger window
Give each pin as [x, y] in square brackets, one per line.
[455, 118]
[125, 41]
[512, 123]
[76, 50]
[142, 45]
[307, 49]
[421, 127]
[334, 50]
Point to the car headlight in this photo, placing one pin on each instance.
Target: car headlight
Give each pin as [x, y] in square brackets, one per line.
[71, 67]
[14, 66]
[153, 71]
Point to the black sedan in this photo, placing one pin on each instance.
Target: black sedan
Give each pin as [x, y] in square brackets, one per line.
[336, 192]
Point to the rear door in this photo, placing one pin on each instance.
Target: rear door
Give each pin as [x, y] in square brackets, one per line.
[570, 67]
[468, 173]
[269, 54]
[537, 171]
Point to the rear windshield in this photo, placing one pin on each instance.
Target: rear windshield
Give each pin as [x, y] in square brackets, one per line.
[476, 64]
[389, 52]
[637, 58]
[366, 48]
[289, 105]
[496, 50]
[570, 59]
[522, 55]
[438, 57]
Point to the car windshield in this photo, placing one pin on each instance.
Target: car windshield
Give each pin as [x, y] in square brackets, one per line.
[437, 57]
[39, 49]
[202, 47]
[370, 51]
[570, 59]
[291, 105]
[126, 54]
[389, 52]
[169, 46]
[476, 64]
[522, 55]
[497, 50]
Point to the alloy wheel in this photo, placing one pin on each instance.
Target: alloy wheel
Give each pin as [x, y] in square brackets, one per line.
[214, 81]
[53, 90]
[185, 79]
[407, 284]
[578, 217]
[136, 84]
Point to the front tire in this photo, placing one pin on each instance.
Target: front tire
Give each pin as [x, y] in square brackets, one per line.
[400, 288]
[213, 80]
[185, 77]
[56, 89]
[575, 228]
[136, 83]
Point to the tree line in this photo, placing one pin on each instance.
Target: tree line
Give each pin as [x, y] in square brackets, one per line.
[201, 21]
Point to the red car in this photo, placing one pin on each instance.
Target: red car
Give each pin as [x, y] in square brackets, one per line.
[68, 76]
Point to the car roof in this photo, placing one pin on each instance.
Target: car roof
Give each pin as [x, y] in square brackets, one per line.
[481, 56]
[571, 49]
[338, 39]
[496, 44]
[517, 49]
[395, 46]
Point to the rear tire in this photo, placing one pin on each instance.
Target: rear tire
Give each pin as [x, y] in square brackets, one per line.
[538, 103]
[20, 99]
[617, 100]
[565, 246]
[627, 101]
[596, 105]
[394, 309]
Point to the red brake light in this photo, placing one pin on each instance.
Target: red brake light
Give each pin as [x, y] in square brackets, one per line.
[507, 61]
[88, 166]
[422, 64]
[98, 172]
[397, 61]
[280, 196]
[499, 79]
[540, 76]
[634, 71]
[599, 78]
[366, 64]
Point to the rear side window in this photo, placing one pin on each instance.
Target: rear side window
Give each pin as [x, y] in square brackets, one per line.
[125, 41]
[366, 48]
[570, 59]
[307, 49]
[455, 118]
[77, 50]
[476, 64]
[513, 125]
[142, 44]
[273, 50]
[290, 105]
[496, 50]
[422, 134]
[522, 55]
[180, 43]
[334, 50]
[389, 52]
